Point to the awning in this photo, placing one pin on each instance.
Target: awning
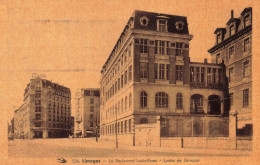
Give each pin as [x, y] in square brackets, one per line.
[89, 131]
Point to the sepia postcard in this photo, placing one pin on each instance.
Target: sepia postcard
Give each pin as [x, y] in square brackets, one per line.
[129, 82]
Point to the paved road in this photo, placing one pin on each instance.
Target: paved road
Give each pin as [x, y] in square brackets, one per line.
[89, 148]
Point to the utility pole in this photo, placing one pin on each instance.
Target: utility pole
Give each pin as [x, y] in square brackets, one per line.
[116, 129]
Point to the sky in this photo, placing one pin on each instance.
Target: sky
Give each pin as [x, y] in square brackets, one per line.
[69, 41]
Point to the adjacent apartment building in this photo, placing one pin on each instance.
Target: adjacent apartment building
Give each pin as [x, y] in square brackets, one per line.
[149, 74]
[46, 111]
[87, 112]
[234, 47]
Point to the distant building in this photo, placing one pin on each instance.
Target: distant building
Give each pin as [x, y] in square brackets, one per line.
[149, 74]
[72, 125]
[234, 46]
[87, 112]
[46, 111]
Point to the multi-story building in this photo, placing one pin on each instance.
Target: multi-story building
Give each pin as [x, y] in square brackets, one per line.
[149, 74]
[87, 112]
[46, 111]
[233, 46]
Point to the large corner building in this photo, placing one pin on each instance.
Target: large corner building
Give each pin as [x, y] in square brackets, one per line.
[46, 111]
[149, 74]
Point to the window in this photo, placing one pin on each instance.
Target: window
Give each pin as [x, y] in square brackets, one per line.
[122, 61]
[161, 71]
[38, 109]
[202, 74]
[179, 73]
[218, 59]
[118, 107]
[209, 75]
[130, 100]
[143, 99]
[143, 70]
[129, 50]
[245, 98]
[161, 47]
[125, 56]
[116, 87]
[214, 75]
[168, 71]
[91, 108]
[130, 73]
[143, 43]
[37, 102]
[246, 45]
[155, 71]
[179, 101]
[192, 74]
[91, 124]
[126, 103]
[197, 74]
[37, 124]
[125, 126]
[231, 52]
[143, 121]
[247, 21]
[246, 69]
[129, 125]
[122, 123]
[161, 100]
[162, 25]
[126, 77]
[37, 95]
[218, 38]
[231, 74]
[122, 105]
[220, 76]
[232, 30]
[122, 81]
[118, 82]
[38, 117]
[91, 101]
[179, 46]
[231, 95]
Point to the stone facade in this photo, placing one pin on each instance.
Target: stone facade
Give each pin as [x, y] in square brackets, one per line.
[234, 46]
[87, 112]
[46, 111]
[149, 74]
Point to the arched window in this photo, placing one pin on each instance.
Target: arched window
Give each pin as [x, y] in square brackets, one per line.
[179, 101]
[161, 100]
[143, 99]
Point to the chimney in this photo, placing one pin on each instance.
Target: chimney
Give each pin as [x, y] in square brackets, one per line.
[205, 60]
[232, 14]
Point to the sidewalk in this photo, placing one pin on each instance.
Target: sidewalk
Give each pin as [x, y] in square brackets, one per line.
[91, 143]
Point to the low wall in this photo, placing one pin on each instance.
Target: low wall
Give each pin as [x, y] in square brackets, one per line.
[199, 142]
[126, 139]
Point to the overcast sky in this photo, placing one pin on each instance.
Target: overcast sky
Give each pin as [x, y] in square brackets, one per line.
[69, 41]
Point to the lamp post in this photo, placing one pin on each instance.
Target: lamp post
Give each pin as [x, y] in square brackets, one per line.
[116, 129]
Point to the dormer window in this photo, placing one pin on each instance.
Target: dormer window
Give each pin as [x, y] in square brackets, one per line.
[218, 38]
[232, 30]
[162, 25]
[247, 21]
